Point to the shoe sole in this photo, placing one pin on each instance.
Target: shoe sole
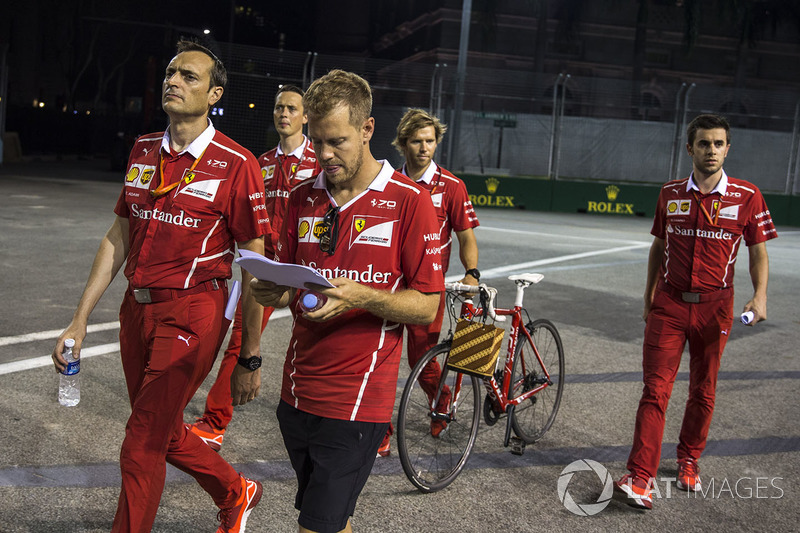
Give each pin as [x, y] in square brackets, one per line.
[622, 495]
[385, 453]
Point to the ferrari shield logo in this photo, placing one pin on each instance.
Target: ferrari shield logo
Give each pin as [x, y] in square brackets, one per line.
[189, 177]
[146, 176]
[359, 224]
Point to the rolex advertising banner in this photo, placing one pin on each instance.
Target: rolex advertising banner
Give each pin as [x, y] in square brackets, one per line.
[595, 197]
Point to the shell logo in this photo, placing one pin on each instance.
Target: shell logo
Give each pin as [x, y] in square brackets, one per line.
[302, 230]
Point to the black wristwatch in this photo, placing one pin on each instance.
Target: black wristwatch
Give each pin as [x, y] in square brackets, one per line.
[474, 272]
[251, 363]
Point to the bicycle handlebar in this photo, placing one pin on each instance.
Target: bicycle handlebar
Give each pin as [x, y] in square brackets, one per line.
[472, 289]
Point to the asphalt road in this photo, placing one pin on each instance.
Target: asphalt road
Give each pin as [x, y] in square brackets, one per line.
[59, 467]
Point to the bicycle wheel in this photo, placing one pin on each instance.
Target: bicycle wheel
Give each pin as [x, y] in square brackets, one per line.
[432, 463]
[533, 417]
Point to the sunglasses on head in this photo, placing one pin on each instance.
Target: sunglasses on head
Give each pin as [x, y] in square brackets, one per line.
[330, 231]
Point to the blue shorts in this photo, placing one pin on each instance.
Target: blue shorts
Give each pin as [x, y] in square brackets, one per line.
[332, 459]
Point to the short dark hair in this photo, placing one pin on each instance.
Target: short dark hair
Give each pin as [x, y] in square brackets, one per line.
[219, 76]
[708, 122]
[290, 89]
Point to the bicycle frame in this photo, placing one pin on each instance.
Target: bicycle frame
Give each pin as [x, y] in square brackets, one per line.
[499, 392]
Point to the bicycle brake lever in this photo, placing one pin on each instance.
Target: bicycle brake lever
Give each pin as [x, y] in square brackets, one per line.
[492, 295]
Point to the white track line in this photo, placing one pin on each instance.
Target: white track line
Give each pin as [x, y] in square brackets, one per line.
[497, 272]
[491, 273]
[102, 349]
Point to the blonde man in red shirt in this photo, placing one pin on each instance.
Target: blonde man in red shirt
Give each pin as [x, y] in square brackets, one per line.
[418, 135]
[361, 225]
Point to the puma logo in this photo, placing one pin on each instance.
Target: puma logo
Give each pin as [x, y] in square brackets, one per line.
[184, 339]
[146, 151]
[312, 200]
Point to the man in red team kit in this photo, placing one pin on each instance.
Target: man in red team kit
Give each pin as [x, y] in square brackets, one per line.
[699, 224]
[360, 224]
[190, 194]
[418, 135]
[283, 167]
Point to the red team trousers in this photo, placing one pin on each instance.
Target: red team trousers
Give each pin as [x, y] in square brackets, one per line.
[167, 350]
[670, 324]
[219, 406]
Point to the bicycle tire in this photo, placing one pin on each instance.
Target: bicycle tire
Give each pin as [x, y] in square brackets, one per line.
[431, 464]
[532, 418]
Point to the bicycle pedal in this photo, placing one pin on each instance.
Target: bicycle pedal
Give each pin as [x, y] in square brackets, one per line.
[517, 445]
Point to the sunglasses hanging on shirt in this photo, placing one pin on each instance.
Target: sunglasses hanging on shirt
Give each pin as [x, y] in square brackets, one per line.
[330, 231]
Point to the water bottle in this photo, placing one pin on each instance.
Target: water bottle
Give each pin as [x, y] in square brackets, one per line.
[311, 301]
[747, 317]
[69, 382]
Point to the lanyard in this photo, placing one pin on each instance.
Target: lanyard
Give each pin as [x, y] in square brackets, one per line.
[714, 210]
[162, 189]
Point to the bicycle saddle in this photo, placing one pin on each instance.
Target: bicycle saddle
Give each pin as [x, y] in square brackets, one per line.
[527, 278]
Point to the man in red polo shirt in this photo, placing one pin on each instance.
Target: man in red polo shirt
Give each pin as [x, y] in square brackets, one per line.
[283, 167]
[190, 195]
[360, 224]
[418, 135]
[699, 225]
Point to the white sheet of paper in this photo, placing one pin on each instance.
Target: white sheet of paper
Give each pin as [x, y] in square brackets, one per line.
[233, 300]
[280, 273]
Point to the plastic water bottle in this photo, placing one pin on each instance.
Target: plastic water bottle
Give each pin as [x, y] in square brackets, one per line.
[69, 382]
[311, 301]
[747, 317]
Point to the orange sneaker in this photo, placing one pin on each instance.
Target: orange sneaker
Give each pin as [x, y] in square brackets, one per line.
[210, 434]
[385, 449]
[688, 475]
[234, 519]
[634, 491]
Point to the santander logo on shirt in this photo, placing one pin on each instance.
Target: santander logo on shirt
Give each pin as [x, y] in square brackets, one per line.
[368, 275]
[157, 214]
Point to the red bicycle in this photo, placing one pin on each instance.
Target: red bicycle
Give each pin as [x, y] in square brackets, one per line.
[526, 388]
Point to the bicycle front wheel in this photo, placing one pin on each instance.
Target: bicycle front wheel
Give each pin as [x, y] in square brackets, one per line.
[533, 417]
[432, 463]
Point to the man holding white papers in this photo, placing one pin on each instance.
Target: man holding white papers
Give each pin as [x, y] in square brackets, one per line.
[365, 223]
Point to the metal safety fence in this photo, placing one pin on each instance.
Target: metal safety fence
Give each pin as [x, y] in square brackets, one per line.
[521, 123]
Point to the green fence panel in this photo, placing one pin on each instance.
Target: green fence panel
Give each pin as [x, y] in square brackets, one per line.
[597, 198]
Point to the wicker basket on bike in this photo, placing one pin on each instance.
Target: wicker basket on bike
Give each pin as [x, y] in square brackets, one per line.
[476, 345]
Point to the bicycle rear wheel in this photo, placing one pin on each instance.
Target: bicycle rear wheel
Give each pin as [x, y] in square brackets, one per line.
[432, 463]
[532, 418]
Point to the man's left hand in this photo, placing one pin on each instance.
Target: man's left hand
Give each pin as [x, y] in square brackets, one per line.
[245, 384]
